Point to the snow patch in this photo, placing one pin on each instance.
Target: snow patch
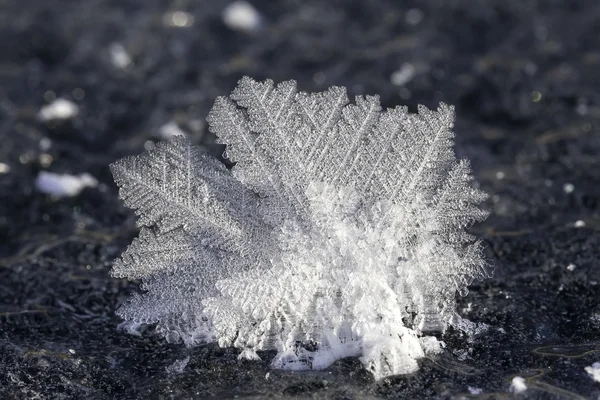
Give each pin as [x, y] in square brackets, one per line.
[474, 390]
[119, 57]
[59, 109]
[518, 385]
[404, 75]
[242, 16]
[594, 371]
[63, 185]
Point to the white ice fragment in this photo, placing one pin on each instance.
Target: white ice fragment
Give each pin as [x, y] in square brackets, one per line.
[500, 175]
[63, 184]
[45, 144]
[571, 267]
[4, 168]
[568, 187]
[241, 15]
[404, 75]
[579, 224]
[58, 109]
[169, 130]
[518, 385]
[178, 19]
[119, 57]
[474, 390]
[267, 376]
[178, 366]
[594, 371]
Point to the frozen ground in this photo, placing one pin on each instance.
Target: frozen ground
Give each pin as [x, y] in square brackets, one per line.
[524, 76]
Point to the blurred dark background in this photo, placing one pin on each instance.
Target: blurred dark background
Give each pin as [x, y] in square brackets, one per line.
[83, 83]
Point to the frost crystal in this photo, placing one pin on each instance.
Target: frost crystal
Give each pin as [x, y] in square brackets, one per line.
[339, 231]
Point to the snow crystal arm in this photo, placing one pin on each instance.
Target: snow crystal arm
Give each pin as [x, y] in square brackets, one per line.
[176, 185]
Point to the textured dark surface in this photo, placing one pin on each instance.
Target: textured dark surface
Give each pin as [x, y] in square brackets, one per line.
[524, 76]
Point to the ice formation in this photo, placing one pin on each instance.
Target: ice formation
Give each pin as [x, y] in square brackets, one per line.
[63, 185]
[594, 371]
[340, 231]
[518, 385]
[59, 109]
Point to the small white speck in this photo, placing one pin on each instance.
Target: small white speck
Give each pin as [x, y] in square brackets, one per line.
[71, 351]
[414, 16]
[169, 130]
[179, 19]
[594, 371]
[474, 390]
[518, 385]
[241, 15]
[568, 187]
[500, 175]
[571, 267]
[119, 57]
[45, 160]
[63, 185]
[579, 224]
[45, 144]
[404, 75]
[4, 168]
[58, 109]
[267, 375]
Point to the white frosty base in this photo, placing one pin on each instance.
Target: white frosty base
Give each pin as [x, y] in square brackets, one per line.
[382, 355]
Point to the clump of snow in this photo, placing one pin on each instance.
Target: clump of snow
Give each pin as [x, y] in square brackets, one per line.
[59, 109]
[178, 19]
[119, 56]
[568, 187]
[404, 75]
[518, 385]
[241, 15]
[571, 267]
[579, 224]
[594, 371]
[474, 390]
[4, 168]
[63, 185]
[169, 130]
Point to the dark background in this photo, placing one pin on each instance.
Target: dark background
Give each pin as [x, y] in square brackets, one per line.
[524, 76]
